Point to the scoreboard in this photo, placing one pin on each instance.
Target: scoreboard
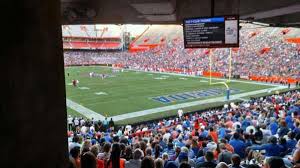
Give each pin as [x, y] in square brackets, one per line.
[211, 32]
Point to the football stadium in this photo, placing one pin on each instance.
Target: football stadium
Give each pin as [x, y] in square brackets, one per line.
[151, 84]
[155, 75]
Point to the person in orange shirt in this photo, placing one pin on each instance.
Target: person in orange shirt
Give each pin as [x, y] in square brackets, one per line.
[213, 134]
[227, 145]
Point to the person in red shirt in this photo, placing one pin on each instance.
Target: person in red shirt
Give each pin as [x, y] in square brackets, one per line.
[213, 134]
[196, 125]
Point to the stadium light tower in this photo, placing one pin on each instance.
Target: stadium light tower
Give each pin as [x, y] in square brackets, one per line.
[123, 35]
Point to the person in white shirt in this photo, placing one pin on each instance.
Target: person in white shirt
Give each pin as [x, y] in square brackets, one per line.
[82, 122]
[128, 128]
[83, 130]
[70, 122]
[92, 128]
[144, 129]
[167, 136]
[180, 113]
[76, 122]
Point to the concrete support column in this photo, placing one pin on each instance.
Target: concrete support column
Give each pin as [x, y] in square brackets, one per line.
[33, 109]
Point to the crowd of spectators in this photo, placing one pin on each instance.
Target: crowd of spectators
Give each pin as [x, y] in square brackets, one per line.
[260, 54]
[256, 133]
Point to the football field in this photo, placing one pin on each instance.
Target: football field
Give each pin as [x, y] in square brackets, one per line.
[140, 96]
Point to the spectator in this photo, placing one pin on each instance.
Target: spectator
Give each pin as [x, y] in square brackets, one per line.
[147, 162]
[296, 154]
[75, 157]
[283, 129]
[115, 161]
[209, 161]
[105, 154]
[196, 147]
[76, 142]
[183, 165]
[88, 160]
[236, 161]
[95, 150]
[238, 145]
[272, 148]
[136, 161]
[225, 155]
[159, 163]
[273, 126]
[222, 165]
[274, 162]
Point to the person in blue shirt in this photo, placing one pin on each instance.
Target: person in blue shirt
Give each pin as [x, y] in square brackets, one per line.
[195, 146]
[163, 143]
[283, 129]
[296, 129]
[222, 131]
[238, 145]
[188, 123]
[246, 123]
[170, 150]
[107, 138]
[283, 144]
[248, 141]
[272, 148]
[291, 142]
[204, 133]
[273, 126]
[179, 143]
[289, 121]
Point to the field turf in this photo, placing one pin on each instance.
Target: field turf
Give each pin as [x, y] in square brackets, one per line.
[131, 91]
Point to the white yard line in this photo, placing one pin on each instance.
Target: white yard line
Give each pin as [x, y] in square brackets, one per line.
[243, 99]
[84, 111]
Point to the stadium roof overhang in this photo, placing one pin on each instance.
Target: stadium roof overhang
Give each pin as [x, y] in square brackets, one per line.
[277, 12]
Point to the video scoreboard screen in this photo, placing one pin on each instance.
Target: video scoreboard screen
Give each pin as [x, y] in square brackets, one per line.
[211, 32]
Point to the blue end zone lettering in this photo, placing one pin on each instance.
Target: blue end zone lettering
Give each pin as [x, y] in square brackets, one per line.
[201, 94]
[211, 93]
[192, 95]
[177, 97]
[162, 99]
[189, 95]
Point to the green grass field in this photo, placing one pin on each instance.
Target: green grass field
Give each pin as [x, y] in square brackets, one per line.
[132, 91]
